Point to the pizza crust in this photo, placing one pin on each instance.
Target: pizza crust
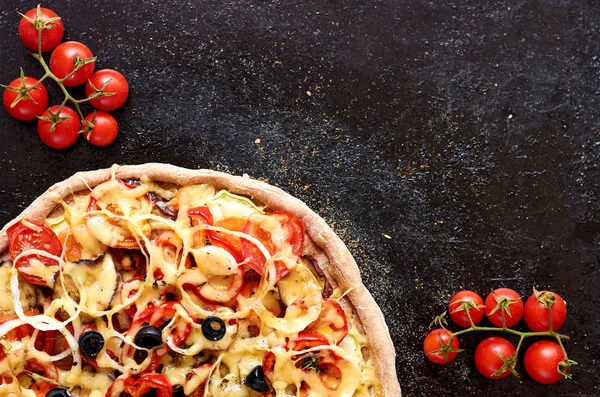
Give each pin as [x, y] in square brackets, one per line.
[341, 264]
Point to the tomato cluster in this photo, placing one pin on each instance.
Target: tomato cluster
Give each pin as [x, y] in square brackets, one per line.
[71, 64]
[495, 357]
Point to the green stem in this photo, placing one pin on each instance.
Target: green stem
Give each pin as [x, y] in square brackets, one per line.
[48, 73]
[562, 347]
[511, 331]
[519, 345]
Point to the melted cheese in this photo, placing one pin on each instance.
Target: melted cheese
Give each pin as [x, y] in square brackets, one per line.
[258, 322]
[28, 292]
[39, 269]
[98, 280]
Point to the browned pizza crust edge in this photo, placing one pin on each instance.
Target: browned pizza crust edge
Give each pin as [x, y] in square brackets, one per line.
[342, 264]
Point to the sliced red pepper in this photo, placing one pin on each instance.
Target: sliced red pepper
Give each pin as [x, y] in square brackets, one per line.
[127, 292]
[306, 340]
[140, 386]
[45, 341]
[331, 322]
[202, 216]
[293, 235]
[268, 364]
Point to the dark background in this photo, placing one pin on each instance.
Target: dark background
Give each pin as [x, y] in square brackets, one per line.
[467, 131]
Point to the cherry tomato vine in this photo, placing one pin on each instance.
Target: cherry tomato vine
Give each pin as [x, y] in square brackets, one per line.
[545, 312]
[71, 64]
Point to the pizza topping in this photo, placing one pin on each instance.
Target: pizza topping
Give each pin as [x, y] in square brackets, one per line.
[163, 206]
[187, 291]
[27, 235]
[91, 343]
[213, 328]
[148, 337]
[256, 380]
[59, 392]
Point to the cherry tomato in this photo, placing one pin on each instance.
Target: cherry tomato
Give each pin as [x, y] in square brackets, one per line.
[537, 315]
[458, 314]
[65, 132]
[436, 341]
[64, 58]
[504, 303]
[491, 356]
[52, 32]
[541, 362]
[31, 103]
[26, 235]
[42, 386]
[117, 85]
[104, 128]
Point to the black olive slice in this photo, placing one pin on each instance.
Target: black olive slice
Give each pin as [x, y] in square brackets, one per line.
[256, 380]
[213, 328]
[58, 393]
[148, 337]
[91, 343]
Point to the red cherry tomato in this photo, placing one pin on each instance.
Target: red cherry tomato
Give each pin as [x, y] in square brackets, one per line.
[537, 315]
[437, 340]
[27, 235]
[63, 59]
[52, 32]
[117, 85]
[65, 132]
[488, 358]
[504, 303]
[104, 128]
[32, 102]
[457, 311]
[541, 362]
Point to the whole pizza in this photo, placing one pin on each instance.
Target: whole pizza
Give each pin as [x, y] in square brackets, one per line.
[154, 280]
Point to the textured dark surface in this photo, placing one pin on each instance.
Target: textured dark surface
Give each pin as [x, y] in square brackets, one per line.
[467, 131]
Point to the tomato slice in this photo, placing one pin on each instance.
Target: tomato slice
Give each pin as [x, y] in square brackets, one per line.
[148, 384]
[27, 235]
[41, 387]
[277, 231]
[228, 241]
[202, 215]
[332, 321]
[158, 316]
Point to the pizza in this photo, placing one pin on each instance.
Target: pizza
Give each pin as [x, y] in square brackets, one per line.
[155, 280]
